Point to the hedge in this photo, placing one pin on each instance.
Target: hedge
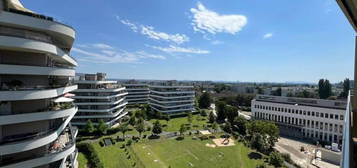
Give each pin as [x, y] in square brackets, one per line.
[91, 154]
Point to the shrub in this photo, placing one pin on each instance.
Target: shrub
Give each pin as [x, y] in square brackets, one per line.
[129, 142]
[276, 159]
[91, 155]
[204, 137]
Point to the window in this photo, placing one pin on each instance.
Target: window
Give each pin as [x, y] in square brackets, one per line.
[312, 124]
[300, 112]
[304, 112]
[326, 115]
[293, 111]
[336, 117]
[308, 113]
[288, 110]
[330, 128]
[331, 116]
[313, 113]
[317, 114]
[341, 117]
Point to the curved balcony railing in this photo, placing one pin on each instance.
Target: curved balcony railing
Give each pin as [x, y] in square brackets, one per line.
[347, 143]
[55, 147]
[52, 107]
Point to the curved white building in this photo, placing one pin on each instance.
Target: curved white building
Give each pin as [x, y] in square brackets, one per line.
[171, 98]
[138, 93]
[99, 99]
[36, 73]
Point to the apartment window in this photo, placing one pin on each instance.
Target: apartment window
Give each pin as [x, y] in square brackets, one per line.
[312, 124]
[330, 127]
[321, 125]
[286, 110]
[308, 113]
[335, 130]
[341, 117]
[317, 114]
[322, 115]
[317, 124]
[300, 112]
[341, 128]
[326, 125]
[289, 111]
[326, 115]
[300, 121]
[292, 111]
[304, 112]
[331, 116]
[308, 123]
[312, 113]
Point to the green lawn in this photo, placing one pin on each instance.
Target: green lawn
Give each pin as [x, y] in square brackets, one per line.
[193, 153]
[82, 160]
[174, 124]
[112, 156]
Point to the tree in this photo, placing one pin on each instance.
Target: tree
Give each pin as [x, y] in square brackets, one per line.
[211, 117]
[102, 127]
[123, 128]
[240, 125]
[276, 159]
[231, 113]
[132, 120]
[167, 118]
[324, 88]
[182, 129]
[140, 127]
[260, 90]
[277, 92]
[215, 126]
[89, 127]
[346, 88]
[189, 118]
[205, 100]
[220, 109]
[157, 128]
[264, 134]
[203, 113]
[227, 127]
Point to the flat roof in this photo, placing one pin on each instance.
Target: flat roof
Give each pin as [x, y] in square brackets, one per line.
[349, 8]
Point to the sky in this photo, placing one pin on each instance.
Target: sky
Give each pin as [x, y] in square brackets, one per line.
[230, 40]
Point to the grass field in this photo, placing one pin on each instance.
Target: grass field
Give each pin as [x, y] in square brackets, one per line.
[82, 160]
[193, 153]
[174, 124]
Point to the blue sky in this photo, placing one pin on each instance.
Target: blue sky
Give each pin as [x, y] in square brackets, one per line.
[231, 40]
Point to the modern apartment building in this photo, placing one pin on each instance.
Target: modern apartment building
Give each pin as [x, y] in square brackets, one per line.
[171, 98]
[36, 73]
[314, 119]
[99, 99]
[138, 93]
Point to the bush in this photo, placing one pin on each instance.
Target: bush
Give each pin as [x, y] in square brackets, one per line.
[91, 155]
[262, 165]
[276, 159]
[101, 143]
[204, 137]
[129, 142]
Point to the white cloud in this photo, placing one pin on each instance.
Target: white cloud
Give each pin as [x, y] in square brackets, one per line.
[268, 35]
[216, 42]
[176, 49]
[96, 45]
[150, 32]
[128, 23]
[205, 20]
[113, 56]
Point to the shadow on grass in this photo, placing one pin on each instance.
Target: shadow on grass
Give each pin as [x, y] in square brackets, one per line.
[255, 155]
[180, 138]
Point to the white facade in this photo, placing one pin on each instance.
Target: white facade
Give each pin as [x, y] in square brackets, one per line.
[170, 98]
[314, 119]
[137, 93]
[98, 99]
[36, 74]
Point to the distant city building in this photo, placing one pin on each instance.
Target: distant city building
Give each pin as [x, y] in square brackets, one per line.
[99, 99]
[138, 93]
[170, 97]
[36, 72]
[315, 119]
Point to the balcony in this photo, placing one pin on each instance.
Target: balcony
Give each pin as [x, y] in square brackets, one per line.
[58, 149]
[349, 141]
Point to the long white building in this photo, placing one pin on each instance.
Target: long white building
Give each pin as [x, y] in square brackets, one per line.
[138, 93]
[99, 99]
[171, 98]
[36, 73]
[314, 119]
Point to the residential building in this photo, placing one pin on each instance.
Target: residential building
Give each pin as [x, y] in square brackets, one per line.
[138, 93]
[349, 147]
[314, 119]
[172, 98]
[36, 72]
[99, 99]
